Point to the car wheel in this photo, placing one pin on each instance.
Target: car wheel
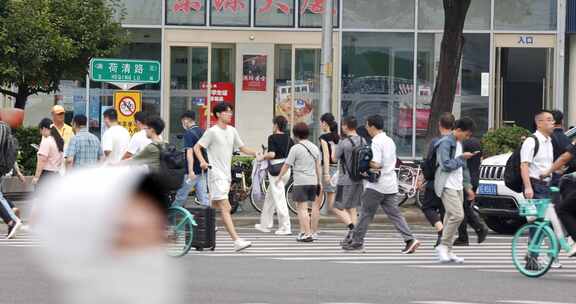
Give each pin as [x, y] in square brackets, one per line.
[504, 225]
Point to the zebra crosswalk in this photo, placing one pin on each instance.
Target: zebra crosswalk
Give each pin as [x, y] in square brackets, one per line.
[382, 247]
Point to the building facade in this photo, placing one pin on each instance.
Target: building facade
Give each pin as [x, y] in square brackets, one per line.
[263, 56]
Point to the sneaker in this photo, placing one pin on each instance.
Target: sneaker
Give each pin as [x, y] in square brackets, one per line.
[532, 263]
[348, 238]
[241, 244]
[462, 243]
[411, 246]
[14, 229]
[572, 253]
[283, 232]
[556, 264]
[300, 237]
[455, 259]
[442, 253]
[351, 247]
[482, 234]
[315, 236]
[261, 229]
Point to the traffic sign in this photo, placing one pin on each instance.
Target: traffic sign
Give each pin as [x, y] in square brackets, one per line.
[128, 103]
[124, 70]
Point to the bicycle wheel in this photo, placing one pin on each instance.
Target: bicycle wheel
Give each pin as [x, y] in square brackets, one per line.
[179, 231]
[534, 248]
[291, 204]
[258, 201]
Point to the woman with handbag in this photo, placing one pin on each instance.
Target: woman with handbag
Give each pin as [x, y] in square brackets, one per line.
[279, 143]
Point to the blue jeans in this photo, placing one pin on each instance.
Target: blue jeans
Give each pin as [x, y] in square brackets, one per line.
[201, 191]
[7, 210]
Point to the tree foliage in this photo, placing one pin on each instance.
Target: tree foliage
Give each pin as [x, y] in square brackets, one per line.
[503, 140]
[44, 41]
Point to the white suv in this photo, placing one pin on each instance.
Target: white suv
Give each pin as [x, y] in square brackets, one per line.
[496, 203]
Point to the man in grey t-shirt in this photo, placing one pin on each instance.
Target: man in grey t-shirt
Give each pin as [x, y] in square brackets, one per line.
[348, 192]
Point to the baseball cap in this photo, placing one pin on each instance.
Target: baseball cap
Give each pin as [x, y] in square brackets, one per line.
[58, 109]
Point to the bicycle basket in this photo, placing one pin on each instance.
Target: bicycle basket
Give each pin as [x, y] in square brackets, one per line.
[533, 207]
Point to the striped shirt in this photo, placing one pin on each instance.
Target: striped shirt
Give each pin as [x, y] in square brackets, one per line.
[84, 148]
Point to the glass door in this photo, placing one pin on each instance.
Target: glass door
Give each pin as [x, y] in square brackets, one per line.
[306, 88]
[188, 85]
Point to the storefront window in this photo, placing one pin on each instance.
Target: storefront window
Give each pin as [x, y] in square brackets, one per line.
[469, 101]
[188, 86]
[274, 13]
[431, 15]
[230, 13]
[311, 12]
[377, 78]
[525, 15]
[142, 12]
[378, 14]
[186, 12]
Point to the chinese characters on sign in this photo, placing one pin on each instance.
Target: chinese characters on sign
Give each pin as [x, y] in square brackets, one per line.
[119, 70]
[314, 6]
[128, 103]
[219, 92]
[186, 6]
[254, 73]
[234, 6]
[268, 5]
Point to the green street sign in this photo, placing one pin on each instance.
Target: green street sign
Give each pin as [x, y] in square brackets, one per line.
[123, 70]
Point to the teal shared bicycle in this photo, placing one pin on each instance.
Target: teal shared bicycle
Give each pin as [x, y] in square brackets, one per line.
[537, 244]
[179, 231]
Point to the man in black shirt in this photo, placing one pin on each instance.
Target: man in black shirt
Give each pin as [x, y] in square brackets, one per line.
[470, 217]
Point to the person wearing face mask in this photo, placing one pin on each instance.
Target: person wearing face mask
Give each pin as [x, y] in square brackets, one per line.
[105, 244]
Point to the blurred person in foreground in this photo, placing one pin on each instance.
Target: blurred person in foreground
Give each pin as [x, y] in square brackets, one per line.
[105, 244]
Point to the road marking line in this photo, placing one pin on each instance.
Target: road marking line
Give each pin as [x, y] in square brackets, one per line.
[531, 302]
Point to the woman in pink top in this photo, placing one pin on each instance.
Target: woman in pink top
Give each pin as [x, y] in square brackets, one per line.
[50, 152]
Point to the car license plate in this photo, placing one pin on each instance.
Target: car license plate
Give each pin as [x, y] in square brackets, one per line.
[488, 189]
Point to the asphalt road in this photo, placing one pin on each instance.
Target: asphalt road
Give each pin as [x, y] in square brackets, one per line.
[279, 270]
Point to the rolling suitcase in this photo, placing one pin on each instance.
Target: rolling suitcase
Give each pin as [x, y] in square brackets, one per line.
[205, 231]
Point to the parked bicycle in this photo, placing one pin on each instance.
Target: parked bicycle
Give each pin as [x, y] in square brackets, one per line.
[537, 244]
[410, 183]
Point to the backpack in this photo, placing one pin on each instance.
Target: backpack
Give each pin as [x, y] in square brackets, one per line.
[430, 164]
[8, 149]
[512, 174]
[360, 161]
[172, 166]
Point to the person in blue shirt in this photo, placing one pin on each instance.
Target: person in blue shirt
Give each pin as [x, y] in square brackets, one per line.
[195, 177]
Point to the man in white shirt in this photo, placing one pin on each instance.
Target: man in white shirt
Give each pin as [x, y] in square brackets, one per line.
[220, 141]
[139, 140]
[116, 138]
[533, 165]
[382, 192]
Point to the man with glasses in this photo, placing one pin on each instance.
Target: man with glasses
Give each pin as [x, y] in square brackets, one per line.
[220, 142]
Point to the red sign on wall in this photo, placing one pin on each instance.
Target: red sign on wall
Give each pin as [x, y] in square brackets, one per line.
[254, 73]
[220, 92]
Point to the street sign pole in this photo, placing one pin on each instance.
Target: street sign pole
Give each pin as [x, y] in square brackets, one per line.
[326, 67]
[88, 101]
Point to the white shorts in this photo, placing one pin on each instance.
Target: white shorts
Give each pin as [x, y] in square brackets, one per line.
[218, 189]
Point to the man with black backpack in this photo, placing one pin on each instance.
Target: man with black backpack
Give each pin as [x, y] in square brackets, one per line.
[194, 177]
[348, 191]
[432, 204]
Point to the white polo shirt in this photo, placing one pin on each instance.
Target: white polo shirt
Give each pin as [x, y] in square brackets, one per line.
[543, 160]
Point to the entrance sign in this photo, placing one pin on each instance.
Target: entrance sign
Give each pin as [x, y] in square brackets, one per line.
[254, 73]
[127, 103]
[124, 71]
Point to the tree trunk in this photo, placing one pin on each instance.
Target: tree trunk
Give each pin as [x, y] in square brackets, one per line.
[21, 98]
[449, 66]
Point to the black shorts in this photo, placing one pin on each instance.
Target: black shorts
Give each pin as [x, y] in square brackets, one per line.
[306, 193]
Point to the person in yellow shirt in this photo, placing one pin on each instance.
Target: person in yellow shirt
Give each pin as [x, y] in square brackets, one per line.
[65, 130]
